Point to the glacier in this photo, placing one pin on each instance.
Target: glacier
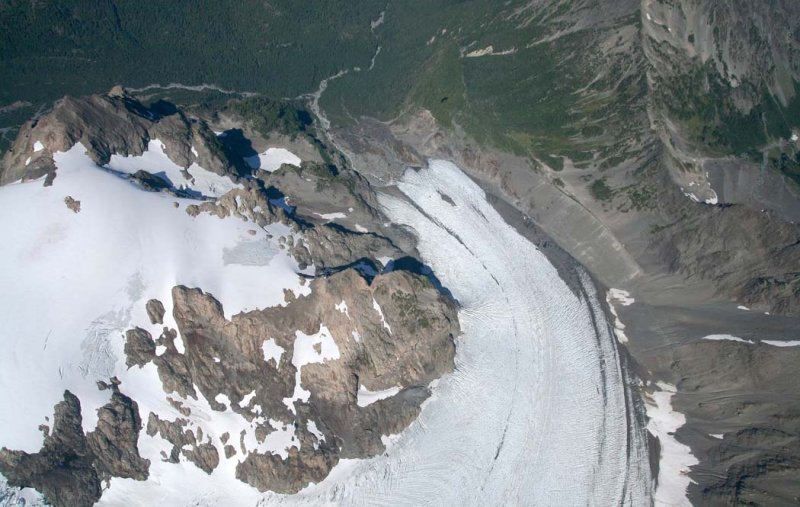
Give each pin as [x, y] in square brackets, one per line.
[537, 412]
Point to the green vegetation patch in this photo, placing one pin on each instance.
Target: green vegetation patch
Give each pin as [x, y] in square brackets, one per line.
[601, 191]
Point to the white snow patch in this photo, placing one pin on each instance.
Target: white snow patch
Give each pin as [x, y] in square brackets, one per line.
[247, 398]
[304, 353]
[774, 343]
[622, 297]
[489, 51]
[331, 216]
[312, 427]
[389, 441]
[160, 349]
[367, 397]
[690, 195]
[223, 399]
[156, 162]
[38, 146]
[378, 309]
[280, 439]
[194, 152]
[675, 457]
[719, 436]
[272, 350]
[794, 138]
[779, 343]
[314, 430]
[742, 307]
[342, 307]
[273, 159]
[721, 337]
[179, 345]
[360, 228]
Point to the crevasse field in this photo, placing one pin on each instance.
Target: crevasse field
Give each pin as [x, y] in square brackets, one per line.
[536, 412]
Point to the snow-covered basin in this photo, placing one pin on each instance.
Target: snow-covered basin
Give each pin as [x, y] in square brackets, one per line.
[73, 282]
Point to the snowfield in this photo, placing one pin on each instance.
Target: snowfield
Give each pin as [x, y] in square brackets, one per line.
[675, 458]
[273, 159]
[537, 411]
[74, 282]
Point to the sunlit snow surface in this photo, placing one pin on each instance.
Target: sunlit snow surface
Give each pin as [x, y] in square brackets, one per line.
[74, 282]
[534, 413]
[156, 161]
[273, 159]
[675, 458]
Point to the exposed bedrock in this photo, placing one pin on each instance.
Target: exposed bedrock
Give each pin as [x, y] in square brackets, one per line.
[71, 466]
[396, 332]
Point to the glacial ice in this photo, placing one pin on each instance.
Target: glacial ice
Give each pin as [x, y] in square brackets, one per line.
[536, 412]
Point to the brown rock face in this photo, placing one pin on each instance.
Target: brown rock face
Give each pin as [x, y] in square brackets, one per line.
[395, 332]
[271, 473]
[72, 204]
[203, 454]
[155, 311]
[110, 124]
[71, 466]
[140, 348]
[114, 442]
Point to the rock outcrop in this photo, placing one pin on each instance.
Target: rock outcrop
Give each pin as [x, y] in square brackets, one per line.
[71, 466]
[396, 332]
[110, 124]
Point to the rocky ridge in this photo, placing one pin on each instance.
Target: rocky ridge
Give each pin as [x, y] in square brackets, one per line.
[111, 124]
